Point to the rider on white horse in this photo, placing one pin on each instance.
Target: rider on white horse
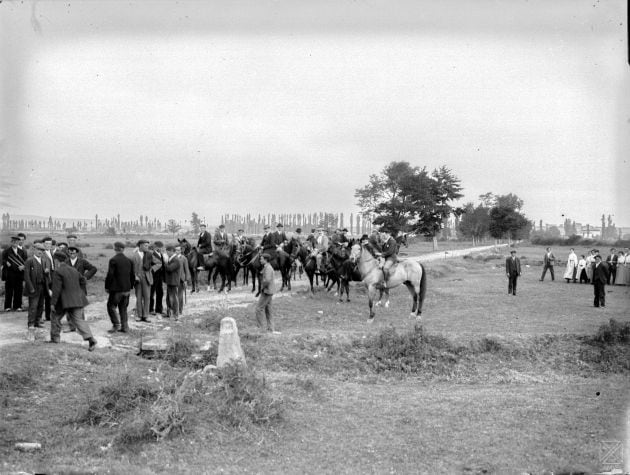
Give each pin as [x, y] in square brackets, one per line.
[388, 257]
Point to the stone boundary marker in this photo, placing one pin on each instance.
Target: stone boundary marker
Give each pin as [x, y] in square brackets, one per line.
[436, 256]
[230, 350]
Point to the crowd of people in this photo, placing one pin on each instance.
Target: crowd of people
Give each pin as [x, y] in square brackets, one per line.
[53, 275]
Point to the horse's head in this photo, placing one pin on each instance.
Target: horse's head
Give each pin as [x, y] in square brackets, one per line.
[355, 252]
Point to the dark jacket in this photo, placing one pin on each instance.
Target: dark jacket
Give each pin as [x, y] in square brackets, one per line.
[600, 273]
[513, 266]
[390, 248]
[34, 275]
[67, 288]
[84, 267]
[172, 271]
[120, 276]
[11, 262]
[204, 244]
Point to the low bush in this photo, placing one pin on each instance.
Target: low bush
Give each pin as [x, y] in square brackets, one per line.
[241, 398]
[410, 352]
[612, 333]
[27, 376]
[108, 246]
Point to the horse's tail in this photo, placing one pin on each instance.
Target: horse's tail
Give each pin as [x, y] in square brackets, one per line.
[423, 284]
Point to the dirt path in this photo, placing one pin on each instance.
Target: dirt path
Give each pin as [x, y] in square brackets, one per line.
[13, 325]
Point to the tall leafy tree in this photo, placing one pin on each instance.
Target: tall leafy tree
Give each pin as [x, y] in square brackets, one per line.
[410, 198]
[195, 222]
[475, 222]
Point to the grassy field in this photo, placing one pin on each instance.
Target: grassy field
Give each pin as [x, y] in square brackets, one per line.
[489, 383]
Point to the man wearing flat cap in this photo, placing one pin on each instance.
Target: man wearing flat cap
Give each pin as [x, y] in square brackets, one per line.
[513, 271]
[204, 243]
[118, 284]
[13, 259]
[220, 240]
[267, 289]
[142, 267]
[36, 285]
[72, 242]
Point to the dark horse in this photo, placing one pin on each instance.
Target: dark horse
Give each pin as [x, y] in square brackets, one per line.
[341, 271]
[280, 260]
[193, 257]
[308, 260]
[221, 261]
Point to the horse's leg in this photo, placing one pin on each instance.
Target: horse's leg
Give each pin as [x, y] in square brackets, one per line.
[414, 296]
[371, 295]
[193, 279]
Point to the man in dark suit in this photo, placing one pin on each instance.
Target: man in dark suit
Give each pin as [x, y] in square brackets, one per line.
[118, 284]
[68, 294]
[548, 262]
[600, 277]
[36, 285]
[157, 288]
[220, 240]
[172, 272]
[611, 261]
[513, 271]
[204, 243]
[84, 268]
[389, 252]
[13, 259]
[49, 269]
[142, 266]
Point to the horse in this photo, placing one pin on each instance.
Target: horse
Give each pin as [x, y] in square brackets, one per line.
[340, 271]
[245, 254]
[407, 272]
[305, 255]
[193, 257]
[221, 262]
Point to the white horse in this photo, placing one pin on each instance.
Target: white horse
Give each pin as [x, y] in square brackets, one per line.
[409, 273]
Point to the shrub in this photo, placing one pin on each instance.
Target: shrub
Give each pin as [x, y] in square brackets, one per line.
[108, 246]
[21, 378]
[487, 345]
[410, 352]
[211, 322]
[124, 394]
[241, 398]
[612, 332]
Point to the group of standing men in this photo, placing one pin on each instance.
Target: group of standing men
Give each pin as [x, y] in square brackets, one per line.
[146, 272]
[54, 279]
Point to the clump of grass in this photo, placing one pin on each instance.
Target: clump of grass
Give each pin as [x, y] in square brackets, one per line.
[181, 348]
[14, 379]
[612, 333]
[487, 345]
[241, 398]
[411, 352]
[124, 394]
[211, 323]
[108, 246]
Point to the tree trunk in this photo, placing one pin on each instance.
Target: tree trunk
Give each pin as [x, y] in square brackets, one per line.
[435, 243]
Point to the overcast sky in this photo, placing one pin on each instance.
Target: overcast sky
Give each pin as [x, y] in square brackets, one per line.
[164, 108]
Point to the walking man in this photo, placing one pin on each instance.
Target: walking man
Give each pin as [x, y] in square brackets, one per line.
[548, 261]
[267, 289]
[600, 277]
[118, 284]
[513, 271]
[68, 295]
[13, 259]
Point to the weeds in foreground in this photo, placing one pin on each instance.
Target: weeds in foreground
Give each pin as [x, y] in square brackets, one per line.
[612, 333]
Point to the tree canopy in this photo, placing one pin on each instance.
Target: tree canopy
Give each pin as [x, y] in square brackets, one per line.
[407, 197]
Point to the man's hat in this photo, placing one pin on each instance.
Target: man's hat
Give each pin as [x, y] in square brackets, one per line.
[39, 246]
[279, 225]
[344, 230]
[298, 230]
[71, 236]
[202, 225]
[119, 245]
[170, 247]
[240, 231]
[73, 248]
[512, 251]
[266, 256]
[59, 244]
[158, 244]
[15, 238]
[266, 226]
[142, 241]
[221, 226]
[60, 256]
[364, 237]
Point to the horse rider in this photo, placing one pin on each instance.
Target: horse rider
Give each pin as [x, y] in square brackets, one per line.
[375, 241]
[388, 256]
[267, 243]
[321, 246]
[311, 239]
[299, 237]
[220, 239]
[204, 244]
[339, 243]
[240, 239]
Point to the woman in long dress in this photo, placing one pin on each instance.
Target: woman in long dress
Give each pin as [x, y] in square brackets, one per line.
[572, 263]
[590, 260]
[622, 269]
[581, 270]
